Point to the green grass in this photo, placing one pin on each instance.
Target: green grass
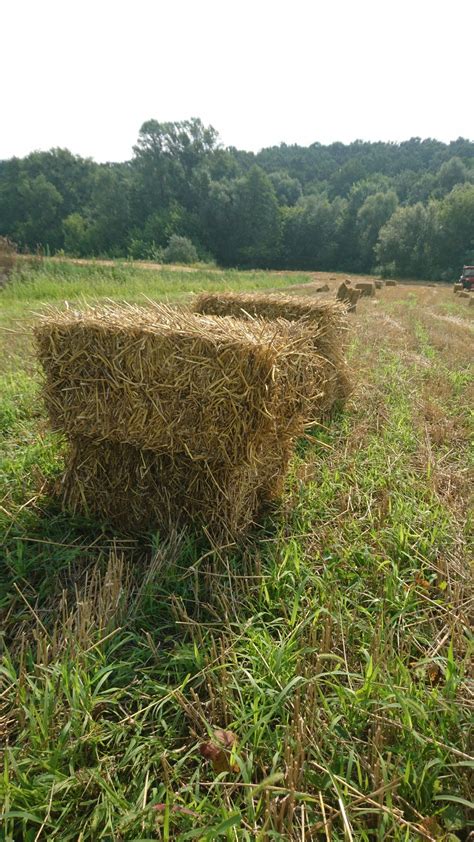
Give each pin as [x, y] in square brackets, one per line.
[334, 642]
[56, 280]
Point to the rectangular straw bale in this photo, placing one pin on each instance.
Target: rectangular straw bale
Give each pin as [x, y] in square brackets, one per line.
[135, 489]
[324, 320]
[366, 287]
[321, 312]
[173, 381]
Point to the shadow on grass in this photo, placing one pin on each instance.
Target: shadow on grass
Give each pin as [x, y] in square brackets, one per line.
[169, 581]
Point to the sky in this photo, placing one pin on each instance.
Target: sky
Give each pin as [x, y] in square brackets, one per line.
[86, 74]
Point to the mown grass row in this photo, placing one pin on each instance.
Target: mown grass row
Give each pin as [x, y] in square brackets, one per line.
[334, 642]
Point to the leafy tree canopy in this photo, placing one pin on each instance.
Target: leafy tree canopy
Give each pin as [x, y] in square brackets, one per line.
[404, 207]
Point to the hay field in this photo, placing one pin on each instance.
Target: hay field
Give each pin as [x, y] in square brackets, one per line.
[333, 642]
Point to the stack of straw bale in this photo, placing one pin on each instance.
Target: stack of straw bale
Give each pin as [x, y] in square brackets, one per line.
[324, 322]
[174, 418]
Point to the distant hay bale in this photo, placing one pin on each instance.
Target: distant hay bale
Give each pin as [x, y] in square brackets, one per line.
[343, 291]
[378, 284]
[457, 288]
[349, 295]
[366, 287]
[323, 288]
[390, 283]
[464, 294]
[323, 320]
[354, 295]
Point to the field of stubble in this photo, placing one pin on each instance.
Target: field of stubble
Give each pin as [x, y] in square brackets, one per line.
[333, 642]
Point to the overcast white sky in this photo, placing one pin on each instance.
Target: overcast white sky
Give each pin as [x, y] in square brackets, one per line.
[85, 74]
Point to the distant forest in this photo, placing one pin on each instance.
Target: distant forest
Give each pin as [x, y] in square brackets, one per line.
[403, 209]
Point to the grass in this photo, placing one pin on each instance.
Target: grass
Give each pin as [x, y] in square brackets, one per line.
[52, 280]
[334, 642]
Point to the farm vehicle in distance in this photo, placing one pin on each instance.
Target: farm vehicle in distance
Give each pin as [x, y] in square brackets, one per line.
[467, 278]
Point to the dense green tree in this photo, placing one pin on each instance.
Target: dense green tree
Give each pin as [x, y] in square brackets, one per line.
[167, 159]
[40, 222]
[405, 245]
[77, 236]
[452, 172]
[38, 192]
[180, 250]
[218, 220]
[110, 210]
[11, 206]
[313, 207]
[162, 224]
[243, 221]
[349, 256]
[412, 187]
[371, 216]
[257, 220]
[454, 244]
[311, 233]
[288, 190]
[344, 178]
[71, 175]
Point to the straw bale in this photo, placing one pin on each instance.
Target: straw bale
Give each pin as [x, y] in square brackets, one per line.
[457, 288]
[343, 291]
[172, 381]
[323, 320]
[366, 287]
[354, 295]
[378, 284]
[139, 490]
[270, 306]
[464, 294]
[390, 283]
[349, 295]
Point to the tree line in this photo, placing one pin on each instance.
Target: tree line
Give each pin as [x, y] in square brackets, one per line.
[405, 209]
